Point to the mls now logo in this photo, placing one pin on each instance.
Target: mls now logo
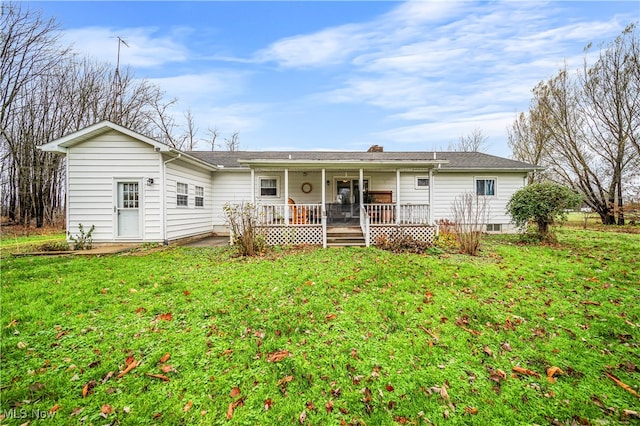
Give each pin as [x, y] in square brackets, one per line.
[23, 413]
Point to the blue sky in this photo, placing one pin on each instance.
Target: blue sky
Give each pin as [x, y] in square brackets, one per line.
[345, 75]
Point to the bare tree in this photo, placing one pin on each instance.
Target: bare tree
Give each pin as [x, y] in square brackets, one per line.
[213, 137]
[233, 143]
[46, 92]
[190, 131]
[473, 142]
[585, 127]
[528, 141]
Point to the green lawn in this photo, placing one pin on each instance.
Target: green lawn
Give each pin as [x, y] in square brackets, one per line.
[196, 336]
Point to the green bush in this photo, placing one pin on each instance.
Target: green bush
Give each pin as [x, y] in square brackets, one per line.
[543, 204]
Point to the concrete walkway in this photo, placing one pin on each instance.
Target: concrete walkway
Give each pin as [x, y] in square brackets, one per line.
[209, 242]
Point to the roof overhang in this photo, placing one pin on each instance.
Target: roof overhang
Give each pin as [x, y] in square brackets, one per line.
[343, 164]
[61, 145]
[489, 170]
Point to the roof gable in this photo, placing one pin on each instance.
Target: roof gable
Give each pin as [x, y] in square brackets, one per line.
[59, 145]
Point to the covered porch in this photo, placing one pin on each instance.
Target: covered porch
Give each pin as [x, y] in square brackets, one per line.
[301, 203]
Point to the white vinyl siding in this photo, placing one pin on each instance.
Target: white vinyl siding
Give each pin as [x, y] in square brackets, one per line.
[448, 185]
[228, 187]
[93, 168]
[186, 221]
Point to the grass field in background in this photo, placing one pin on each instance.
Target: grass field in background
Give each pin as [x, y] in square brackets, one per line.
[313, 336]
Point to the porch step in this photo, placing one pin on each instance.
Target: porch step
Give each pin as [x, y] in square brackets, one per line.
[345, 236]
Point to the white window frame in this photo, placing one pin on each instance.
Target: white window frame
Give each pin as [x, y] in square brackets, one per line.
[493, 227]
[262, 178]
[421, 187]
[180, 193]
[485, 178]
[199, 197]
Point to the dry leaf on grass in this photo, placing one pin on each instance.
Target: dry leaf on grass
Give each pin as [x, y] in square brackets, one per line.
[165, 358]
[158, 376]
[526, 371]
[622, 384]
[552, 371]
[278, 356]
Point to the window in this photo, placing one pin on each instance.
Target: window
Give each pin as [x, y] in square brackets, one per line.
[422, 182]
[269, 187]
[183, 194]
[494, 227]
[199, 196]
[486, 187]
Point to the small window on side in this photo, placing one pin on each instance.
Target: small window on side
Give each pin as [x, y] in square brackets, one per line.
[182, 197]
[422, 182]
[199, 196]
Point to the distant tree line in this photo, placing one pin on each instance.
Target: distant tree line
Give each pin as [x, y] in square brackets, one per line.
[584, 127]
[47, 91]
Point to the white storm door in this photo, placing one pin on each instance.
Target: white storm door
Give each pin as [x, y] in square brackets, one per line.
[128, 209]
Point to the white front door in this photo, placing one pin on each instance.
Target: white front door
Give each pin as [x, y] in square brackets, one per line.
[128, 209]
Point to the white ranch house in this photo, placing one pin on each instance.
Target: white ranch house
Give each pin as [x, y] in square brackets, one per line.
[135, 189]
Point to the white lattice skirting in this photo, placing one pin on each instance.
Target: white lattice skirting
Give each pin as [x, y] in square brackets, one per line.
[292, 235]
[418, 232]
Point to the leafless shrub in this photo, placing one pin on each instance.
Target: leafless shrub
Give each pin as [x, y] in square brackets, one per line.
[246, 227]
[470, 213]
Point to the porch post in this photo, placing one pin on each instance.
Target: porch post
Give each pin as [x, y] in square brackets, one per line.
[323, 213]
[360, 196]
[398, 197]
[431, 222]
[286, 196]
[253, 186]
[324, 191]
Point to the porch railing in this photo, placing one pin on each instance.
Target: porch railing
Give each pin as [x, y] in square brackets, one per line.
[365, 222]
[299, 214]
[387, 214]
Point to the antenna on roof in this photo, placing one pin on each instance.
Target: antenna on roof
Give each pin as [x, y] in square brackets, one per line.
[117, 82]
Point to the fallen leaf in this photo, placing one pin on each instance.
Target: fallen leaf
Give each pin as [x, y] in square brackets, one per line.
[158, 376]
[526, 371]
[331, 317]
[107, 376]
[165, 317]
[267, 404]
[552, 371]
[302, 417]
[165, 358]
[166, 368]
[234, 392]
[622, 385]
[329, 406]
[129, 367]
[55, 408]
[233, 406]
[471, 410]
[630, 413]
[506, 347]
[285, 379]
[188, 406]
[389, 388]
[106, 410]
[487, 350]
[156, 416]
[88, 388]
[310, 406]
[278, 356]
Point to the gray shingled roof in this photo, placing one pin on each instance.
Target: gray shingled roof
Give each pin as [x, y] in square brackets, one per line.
[457, 160]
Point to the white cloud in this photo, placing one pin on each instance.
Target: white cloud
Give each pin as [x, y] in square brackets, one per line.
[145, 49]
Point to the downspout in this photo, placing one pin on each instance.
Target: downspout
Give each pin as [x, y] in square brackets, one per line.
[164, 196]
[66, 193]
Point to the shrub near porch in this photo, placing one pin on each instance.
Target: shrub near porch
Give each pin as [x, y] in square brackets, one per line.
[322, 336]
